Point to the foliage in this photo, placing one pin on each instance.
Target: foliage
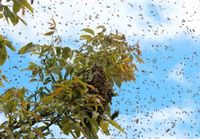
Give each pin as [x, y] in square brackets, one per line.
[75, 86]
[11, 14]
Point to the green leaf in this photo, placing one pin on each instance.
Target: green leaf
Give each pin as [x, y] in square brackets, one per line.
[9, 133]
[78, 133]
[47, 80]
[9, 45]
[10, 107]
[16, 7]
[88, 38]
[118, 81]
[1, 15]
[9, 15]
[27, 5]
[88, 30]
[39, 133]
[66, 52]
[3, 54]
[101, 27]
[42, 127]
[67, 128]
[94, 125]
[112, 122]
[33, 80]
[1, 84]
[26, 48]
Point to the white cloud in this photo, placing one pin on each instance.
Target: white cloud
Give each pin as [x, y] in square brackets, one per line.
[154, 124]
[177, 74]
[129, 17]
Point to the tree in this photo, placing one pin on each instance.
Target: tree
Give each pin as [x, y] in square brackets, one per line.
[75, 86]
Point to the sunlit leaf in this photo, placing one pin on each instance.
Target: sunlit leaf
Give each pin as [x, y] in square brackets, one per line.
[104, 126]
[26, 48]
[16, 7]
[88, 30]
[27, 5]
[88, 38]
[116, 125]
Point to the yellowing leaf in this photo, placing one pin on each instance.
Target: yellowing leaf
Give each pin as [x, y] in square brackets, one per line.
[54, 23]
[46, 99]
[49, 33]
[4, 78]
[88, 30]
[91, 86]
[57, 91]
[121, 66]
[88, 38]
[104, 126]
[127, 59]
[116, 125]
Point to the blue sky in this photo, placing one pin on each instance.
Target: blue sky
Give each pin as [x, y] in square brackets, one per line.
[165, 97]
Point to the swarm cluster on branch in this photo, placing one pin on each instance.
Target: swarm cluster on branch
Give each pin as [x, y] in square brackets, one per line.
[101, 84]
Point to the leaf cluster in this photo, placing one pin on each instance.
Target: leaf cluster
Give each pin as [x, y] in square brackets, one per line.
[69, 94]
[9, 11]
